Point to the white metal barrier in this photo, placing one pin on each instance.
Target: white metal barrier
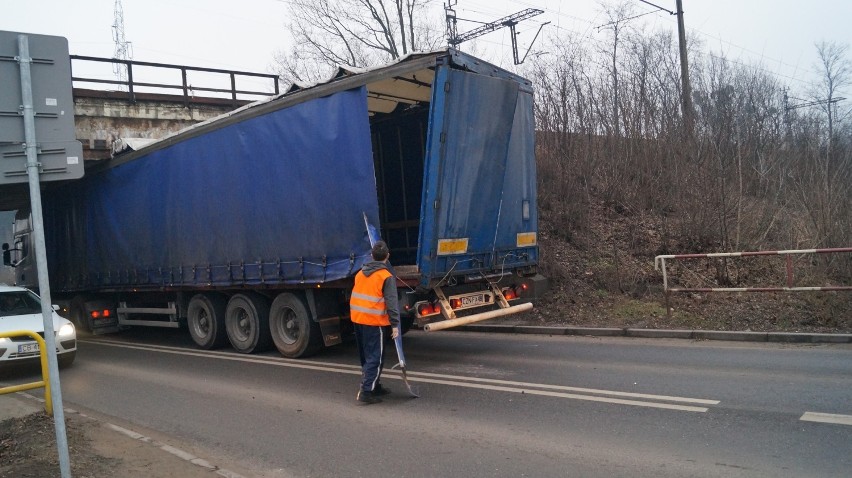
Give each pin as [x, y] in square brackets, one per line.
[660, 264]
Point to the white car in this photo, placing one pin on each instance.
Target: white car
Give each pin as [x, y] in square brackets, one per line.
[20, 309]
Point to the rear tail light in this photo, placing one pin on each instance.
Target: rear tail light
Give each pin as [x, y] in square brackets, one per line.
[455, 303]
[98, 314]
[428, 308]
[515, 292]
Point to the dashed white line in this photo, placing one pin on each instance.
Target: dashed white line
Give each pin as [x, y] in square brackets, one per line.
[827, 418]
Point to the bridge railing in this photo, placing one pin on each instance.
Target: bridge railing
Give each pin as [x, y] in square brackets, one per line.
[132, 86]
[660, 265]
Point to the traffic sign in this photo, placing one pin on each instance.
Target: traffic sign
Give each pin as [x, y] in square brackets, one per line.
[60, 156]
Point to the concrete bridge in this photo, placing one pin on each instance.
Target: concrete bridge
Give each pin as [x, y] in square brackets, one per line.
[150, 110]
[108, 109]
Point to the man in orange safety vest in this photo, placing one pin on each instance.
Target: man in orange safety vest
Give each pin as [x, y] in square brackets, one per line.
[374, 308]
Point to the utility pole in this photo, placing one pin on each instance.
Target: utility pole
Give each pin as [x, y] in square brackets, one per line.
[686, 94]
[686, 90]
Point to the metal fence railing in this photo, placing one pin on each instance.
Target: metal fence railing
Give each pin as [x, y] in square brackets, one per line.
[660, 264]
[132, 85]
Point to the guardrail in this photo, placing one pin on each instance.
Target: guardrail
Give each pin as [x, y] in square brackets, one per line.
[45, 382]
[660, 264]
[185, 87]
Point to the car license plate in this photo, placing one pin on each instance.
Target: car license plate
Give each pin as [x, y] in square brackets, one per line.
[27, 348]
[473, 300]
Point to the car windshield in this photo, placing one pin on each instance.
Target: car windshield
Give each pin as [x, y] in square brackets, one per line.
[18, 302]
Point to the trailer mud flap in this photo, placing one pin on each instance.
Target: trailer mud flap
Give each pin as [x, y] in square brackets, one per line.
[330, 329]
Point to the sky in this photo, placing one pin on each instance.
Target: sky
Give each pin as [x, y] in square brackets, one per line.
[245, 34]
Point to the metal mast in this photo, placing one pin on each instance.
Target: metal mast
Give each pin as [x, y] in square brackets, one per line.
[454, 39]
[123, 48]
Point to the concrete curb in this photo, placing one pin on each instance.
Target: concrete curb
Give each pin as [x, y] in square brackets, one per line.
[778, 337]
[36, 405]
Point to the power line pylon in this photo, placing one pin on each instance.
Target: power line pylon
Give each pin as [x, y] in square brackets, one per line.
[123, 48]
[454, 39]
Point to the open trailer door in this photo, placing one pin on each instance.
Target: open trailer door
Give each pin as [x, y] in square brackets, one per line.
[469, 140]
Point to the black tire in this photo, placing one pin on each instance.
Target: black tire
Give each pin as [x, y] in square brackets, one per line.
[65, 360]
[247, 323]
[205, 319]
[406, 323]
[78, 314]
[294, 332]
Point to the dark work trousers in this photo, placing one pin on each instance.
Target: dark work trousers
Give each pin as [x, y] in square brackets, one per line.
[371, 348]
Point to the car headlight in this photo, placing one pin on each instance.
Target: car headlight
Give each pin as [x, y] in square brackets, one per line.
[66, 330]
[4, 340]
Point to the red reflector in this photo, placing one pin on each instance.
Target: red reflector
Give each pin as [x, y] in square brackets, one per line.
[525, 286]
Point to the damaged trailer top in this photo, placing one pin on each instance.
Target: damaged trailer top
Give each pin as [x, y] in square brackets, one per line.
[437, 150]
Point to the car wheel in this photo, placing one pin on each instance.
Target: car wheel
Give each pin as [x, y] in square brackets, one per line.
[66, 359]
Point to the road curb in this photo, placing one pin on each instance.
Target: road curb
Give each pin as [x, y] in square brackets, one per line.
[737, 336]
[177, 452]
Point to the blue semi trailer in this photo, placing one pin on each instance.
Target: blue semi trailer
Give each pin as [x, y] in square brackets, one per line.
[250, 227]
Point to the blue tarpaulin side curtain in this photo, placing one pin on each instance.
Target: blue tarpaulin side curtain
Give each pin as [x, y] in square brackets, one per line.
[279, 198]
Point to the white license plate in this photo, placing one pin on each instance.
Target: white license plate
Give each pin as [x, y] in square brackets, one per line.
[27, 348]
[473, 300]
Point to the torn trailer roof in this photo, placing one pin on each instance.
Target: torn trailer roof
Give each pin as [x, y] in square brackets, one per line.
[276, 192]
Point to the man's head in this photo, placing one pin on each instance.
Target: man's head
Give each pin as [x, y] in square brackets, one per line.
[380, 251]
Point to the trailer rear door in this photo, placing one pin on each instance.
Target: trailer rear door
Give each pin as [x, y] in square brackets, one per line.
[472, 130]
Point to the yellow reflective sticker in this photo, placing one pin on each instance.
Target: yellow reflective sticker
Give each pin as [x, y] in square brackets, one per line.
[452, 246]
[526, 239]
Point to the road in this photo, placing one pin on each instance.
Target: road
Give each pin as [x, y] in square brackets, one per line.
[492, 405]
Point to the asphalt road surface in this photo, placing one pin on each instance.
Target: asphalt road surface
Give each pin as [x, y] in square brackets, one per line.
[491, 405]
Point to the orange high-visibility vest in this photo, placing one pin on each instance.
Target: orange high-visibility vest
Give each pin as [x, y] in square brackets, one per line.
[367, 304]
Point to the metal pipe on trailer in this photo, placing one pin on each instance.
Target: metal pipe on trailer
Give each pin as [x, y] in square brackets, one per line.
[446, 324]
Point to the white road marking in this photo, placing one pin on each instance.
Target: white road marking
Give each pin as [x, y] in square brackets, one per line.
[827, 418]
[559, 391]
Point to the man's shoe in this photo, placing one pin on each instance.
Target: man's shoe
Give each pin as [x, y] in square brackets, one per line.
[380, 391]
[367, 397]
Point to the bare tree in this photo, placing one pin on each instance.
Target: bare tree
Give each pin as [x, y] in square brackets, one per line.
[356, 33]
[835, 73]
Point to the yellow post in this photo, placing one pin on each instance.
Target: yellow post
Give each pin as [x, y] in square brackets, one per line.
[45, 382]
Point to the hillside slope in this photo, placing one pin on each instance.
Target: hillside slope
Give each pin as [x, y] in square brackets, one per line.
[605, 277]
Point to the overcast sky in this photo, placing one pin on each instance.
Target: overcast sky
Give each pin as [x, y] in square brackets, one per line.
[244, 34]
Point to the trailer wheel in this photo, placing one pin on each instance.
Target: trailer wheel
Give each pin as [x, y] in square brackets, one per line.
[78, 314]
[205, 319]
[293, 331]
[247, 322]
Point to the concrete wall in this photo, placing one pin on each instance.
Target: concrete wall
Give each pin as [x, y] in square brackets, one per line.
[103, 116]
